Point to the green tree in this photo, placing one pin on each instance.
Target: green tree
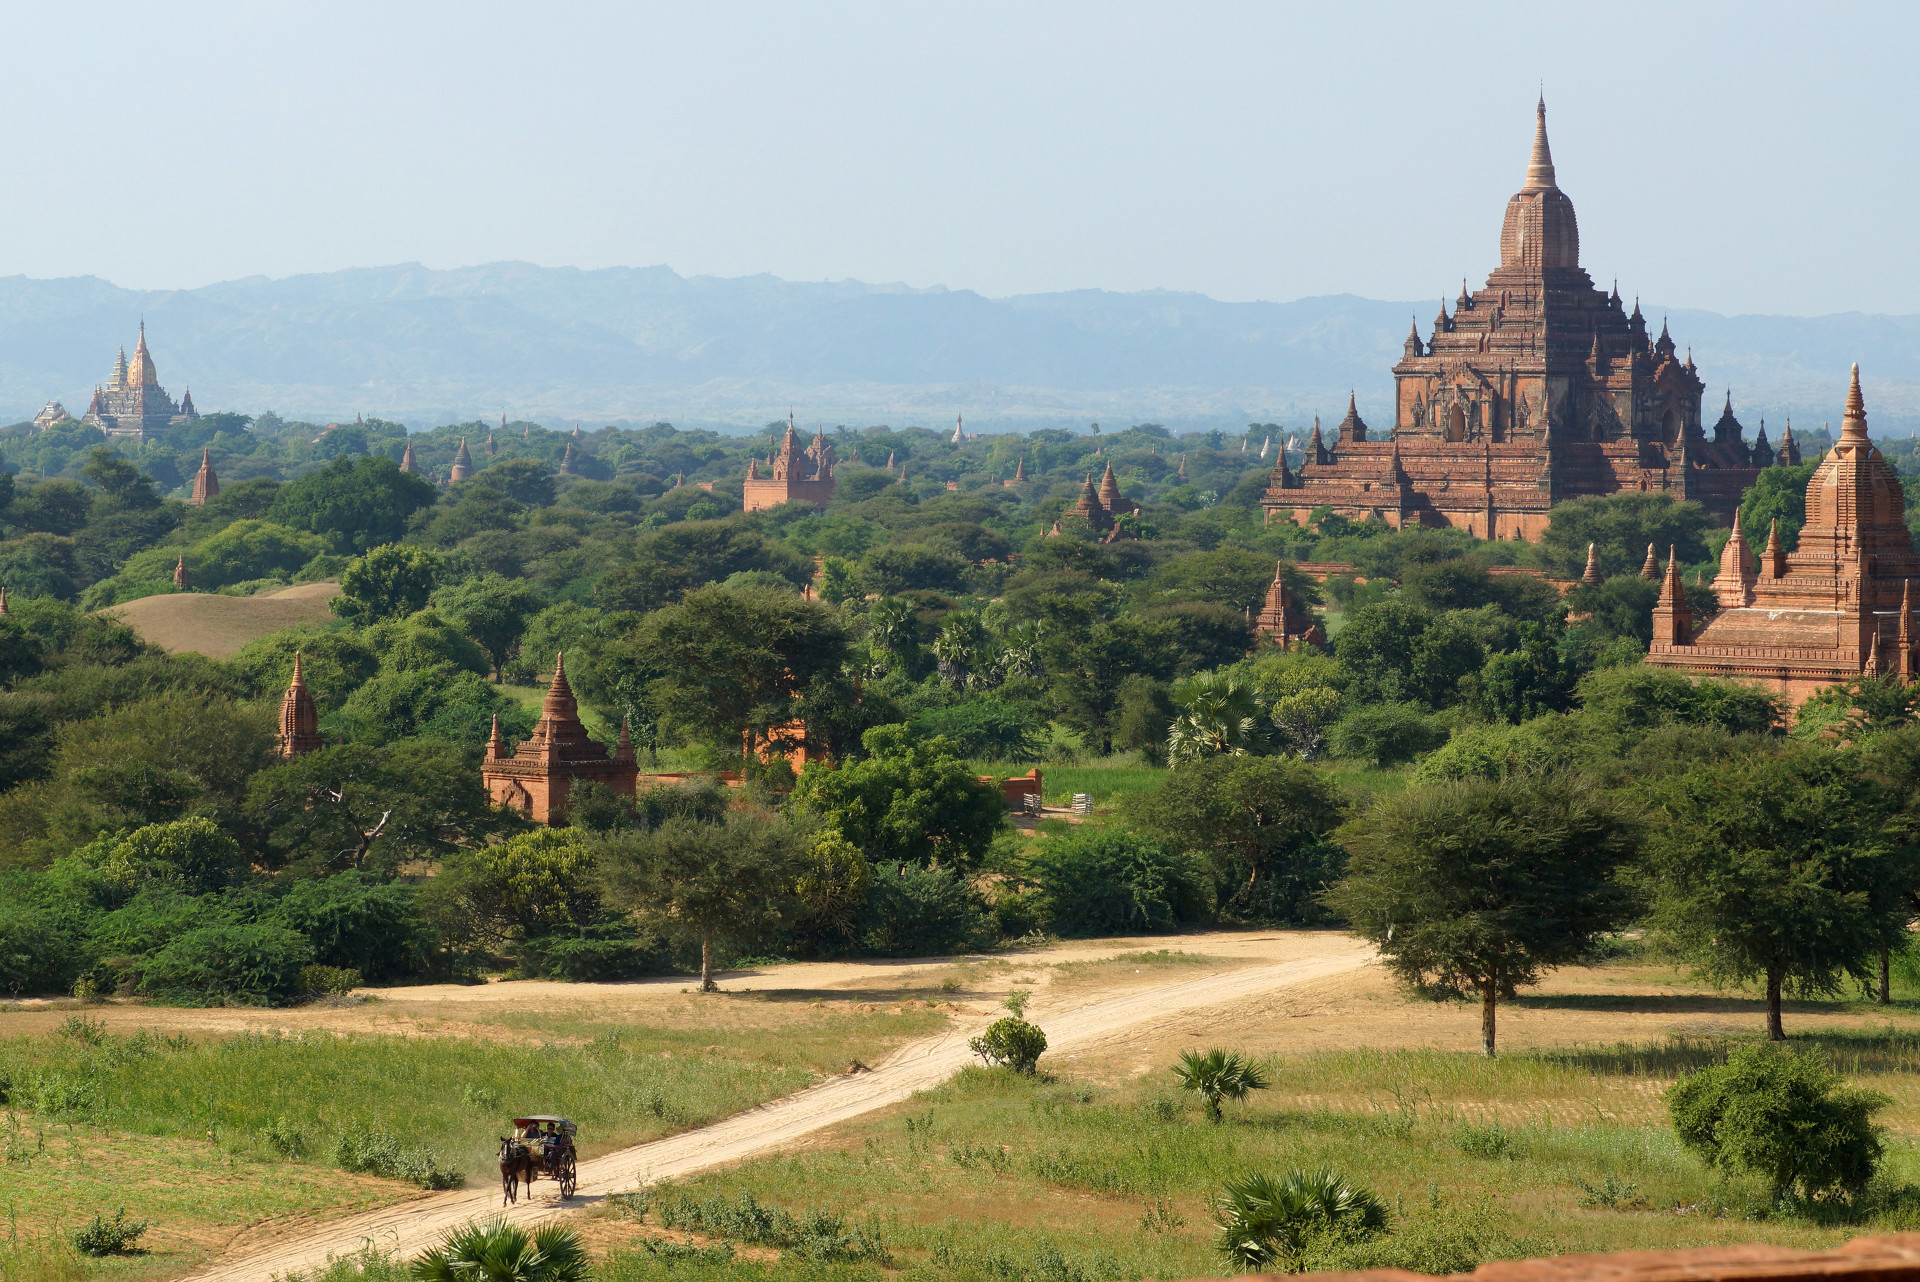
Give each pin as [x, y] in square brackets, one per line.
[1219, 716]
[1778, 867]
[1777, 494]
[1786, 1117]
[703, 883]
[251, 550]
[493, 611]
[438, 702]
[1217, 1075]
[662, 567]
[1620, 526]
[357, 805]
[333, 664]
[1262, 824]
[52, 507]
[391, 581]
[524, 480]
[1478, 887]
[1109, 881]
[123, 482]
[894, 568]
[737, 659]
[355, 503]
[423, 640]
[530, 885]
[906, 800]
[194, 851]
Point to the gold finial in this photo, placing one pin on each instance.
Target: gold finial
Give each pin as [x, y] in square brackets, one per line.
[1540, 163]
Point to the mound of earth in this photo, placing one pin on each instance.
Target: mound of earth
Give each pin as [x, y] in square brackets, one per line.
[217, 626]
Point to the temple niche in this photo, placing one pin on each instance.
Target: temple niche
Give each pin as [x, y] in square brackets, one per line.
[1538, 388]
[1840, 605]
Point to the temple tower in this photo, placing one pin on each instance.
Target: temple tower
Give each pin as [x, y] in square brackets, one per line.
[538, 776]
[299, 721]
[205, 483]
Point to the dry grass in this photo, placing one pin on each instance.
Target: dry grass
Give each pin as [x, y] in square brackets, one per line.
[217, 626]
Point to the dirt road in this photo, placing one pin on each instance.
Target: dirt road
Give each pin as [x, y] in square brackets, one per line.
[1073, 1024]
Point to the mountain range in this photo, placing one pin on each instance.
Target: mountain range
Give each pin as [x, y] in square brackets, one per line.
[636, 344]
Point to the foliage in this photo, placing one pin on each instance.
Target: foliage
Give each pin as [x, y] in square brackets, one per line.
[379, 1152]
[1477, 886]
[1219, 715]
[1385, 734]
[819, 1234]
[101, 1236]
[983, 727]
[530, 885]
[911, 910]
[1109, 881]
[356, 504]
[907, 799]
[501, 1252]
[357, 922]
[389, 581]
[333, 664]
[491, 610]
[1620, 526]
[1264, 1221]
[1784, 1116]
[1216, 1075]
[1778, 494]
[1010, 1041]
[235, 965]
[1263, 826]
[437, 702]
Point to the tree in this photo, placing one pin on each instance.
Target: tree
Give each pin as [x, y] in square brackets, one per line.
[422, 796]
[194, 851]
[524, 480]
[251, 550]
[1778, 494]
[1620, 526]
[530, 885]
[1216, 1075]
[1108, 881]
[333, 664]
[984, 727]
[1479, 886]
[1786, 1117]
[705, 883]
[1219, 715]
[437, 702]
[52, 507]
[122, 481]
[737, 659]
[1776, 866]
[894, 568]
[1262, 824]
[391, 581]
[355, 503]
[360, 922]
[662, 567]
[907, 800]
[493, 611]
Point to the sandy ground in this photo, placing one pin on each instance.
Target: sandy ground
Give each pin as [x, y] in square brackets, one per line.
[1081, 1016]
[217, 626]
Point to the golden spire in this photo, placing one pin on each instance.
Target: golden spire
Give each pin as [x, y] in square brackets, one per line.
[1540, 163]
[1591, 575]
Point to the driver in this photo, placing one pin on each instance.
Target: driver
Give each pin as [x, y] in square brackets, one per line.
[550, 1145]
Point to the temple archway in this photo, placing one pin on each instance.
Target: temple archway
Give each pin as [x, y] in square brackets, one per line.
[1456, 423]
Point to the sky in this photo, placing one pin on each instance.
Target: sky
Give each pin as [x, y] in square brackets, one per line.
[1736, 158]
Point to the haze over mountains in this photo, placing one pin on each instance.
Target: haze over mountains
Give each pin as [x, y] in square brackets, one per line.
[639, 344]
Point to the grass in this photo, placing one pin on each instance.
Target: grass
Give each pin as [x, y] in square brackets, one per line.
[204, 1137]
[995, 1176]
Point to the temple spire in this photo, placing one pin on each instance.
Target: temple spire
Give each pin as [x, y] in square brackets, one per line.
[1540, 163]
[1591, 576]
[1774, 559]
[1651, 570]
[1853, 425]
[1672, 623]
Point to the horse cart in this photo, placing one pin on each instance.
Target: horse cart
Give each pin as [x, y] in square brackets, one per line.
[540, 1147]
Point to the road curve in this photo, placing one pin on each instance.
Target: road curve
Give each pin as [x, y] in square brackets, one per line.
[411, 1226]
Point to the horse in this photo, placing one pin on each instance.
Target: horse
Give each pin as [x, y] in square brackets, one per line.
[517, 1164]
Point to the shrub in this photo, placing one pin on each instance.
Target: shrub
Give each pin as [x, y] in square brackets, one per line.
[1265, 1221]
[595, 952]
[101, 1236]
[1099, 882]
[372, 1151]
[1216, 1075]
[356, 921]
[1011, 1041]
[1786, 1117]
[242, 965]
[496, 1249]
[1385, 734]
[914, 912]
[329, 981]
[819, 1234]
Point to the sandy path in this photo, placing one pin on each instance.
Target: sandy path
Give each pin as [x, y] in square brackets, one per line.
[411, 1226]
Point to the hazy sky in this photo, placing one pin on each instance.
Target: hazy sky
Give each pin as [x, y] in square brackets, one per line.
[1736, 158]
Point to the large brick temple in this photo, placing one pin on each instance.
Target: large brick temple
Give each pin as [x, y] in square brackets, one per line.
[1840, 605]
[1536, 389]
[793, 475]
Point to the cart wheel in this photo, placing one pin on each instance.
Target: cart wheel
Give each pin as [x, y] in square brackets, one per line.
[567, 1184]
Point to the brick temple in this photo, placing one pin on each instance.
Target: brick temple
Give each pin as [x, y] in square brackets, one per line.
[538, 776]
[1840, 605]
[793, 475]
[1536, 389]
[132, 405]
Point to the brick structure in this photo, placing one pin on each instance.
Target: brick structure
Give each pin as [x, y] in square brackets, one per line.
[133, 406]
[299, 720]
[182, 581]
[462, 463]
[793, 475]
[538, 776]
[51, 415]
[1839, 606]
[406, 459]
[1537, 389]
[1282, 621]
[1100, 508]
[205, 483]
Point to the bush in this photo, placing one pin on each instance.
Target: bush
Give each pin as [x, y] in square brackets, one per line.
[1109, 881]
[593, 953]
[1786, 1117]
[818, 1235]
[371, 1151]
[1385, 734]
[101, 1236]
[241, 965]
[497, 1249]
[1011, 1041]
[1266, 1221]
[916, 912]
[329, 981]
[356, 921]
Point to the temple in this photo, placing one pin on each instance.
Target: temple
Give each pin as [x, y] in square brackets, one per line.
[1282, 620]
[1839, 606]
[299, 720]
[793, 475]
[1536, 389]
[538, 776]
[205, 483]
[462, 464]
[1101, 508]
[133, 406]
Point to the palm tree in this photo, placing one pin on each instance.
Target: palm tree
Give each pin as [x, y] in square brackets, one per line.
[962, 640]
[1222, 717]
[1265, 1221]
[500, 1252]
[891, 625]
[1216, 1075]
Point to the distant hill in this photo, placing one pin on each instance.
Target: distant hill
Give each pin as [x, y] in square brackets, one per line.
[217, 626]
[636, 344]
